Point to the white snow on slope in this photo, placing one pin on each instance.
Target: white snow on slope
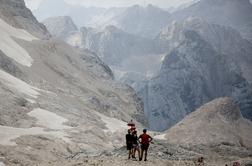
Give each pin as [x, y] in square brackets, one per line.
[8, 134]
[112, 124]
[160, 137]
[48, 119]
[18, 85]
[2, 164]
[74, 39]
[10, 47]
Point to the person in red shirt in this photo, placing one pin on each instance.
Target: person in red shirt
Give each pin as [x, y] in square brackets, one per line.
[145, 140]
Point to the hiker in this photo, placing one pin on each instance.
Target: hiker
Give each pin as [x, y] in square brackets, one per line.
[131, 126]
[236, 163]
[145, 142]
[200, 161]
[129, 143]
[135, 145]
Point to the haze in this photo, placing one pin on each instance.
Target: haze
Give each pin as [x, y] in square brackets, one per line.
[33, 4]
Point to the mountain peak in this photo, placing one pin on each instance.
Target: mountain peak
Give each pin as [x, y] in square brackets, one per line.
[225, 107]
[111, 28]
[61, 25]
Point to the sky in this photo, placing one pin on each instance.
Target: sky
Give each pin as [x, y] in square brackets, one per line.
[33, 4]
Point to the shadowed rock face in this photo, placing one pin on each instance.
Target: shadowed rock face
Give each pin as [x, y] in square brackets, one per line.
[191, 75]
[224, 40]
[218, 121]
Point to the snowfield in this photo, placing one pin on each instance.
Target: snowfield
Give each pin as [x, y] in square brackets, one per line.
[18, 85]
[112, 124]
[160, 137]
[10, 47]
[9, 134]
[48, 119]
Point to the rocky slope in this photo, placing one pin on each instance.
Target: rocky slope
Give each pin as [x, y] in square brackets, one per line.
[234, 13]
[217, 122]
[192, 74]
[55, 99]
[21, 17]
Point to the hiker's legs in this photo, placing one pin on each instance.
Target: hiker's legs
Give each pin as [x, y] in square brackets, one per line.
[141, 154]
[138, 152]
[129, 154]
[134, 152]
[145, 155]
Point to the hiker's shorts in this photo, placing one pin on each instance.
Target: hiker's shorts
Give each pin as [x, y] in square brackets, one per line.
[129, 146]
[145, 146]
[135, 146]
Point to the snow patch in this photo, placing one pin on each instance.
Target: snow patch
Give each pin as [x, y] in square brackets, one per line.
[112, 124]
[118, 73]
[9, 134]
[163, 58]
[48, 119]
[10, 47]
[18, 85]
[160, 137]
[2, 164]
[74, 39]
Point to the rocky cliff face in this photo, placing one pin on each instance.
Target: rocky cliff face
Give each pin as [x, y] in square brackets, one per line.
[234, 13]
[141, 21]
[218, 122]
[115, 46]
[55, 99]
[61, 26]
[224, 40]
[192, 74]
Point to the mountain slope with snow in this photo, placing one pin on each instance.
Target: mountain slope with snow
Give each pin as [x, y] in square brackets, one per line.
[55, 95]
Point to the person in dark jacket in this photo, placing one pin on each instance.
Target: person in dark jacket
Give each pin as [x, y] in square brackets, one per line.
[129, 143]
